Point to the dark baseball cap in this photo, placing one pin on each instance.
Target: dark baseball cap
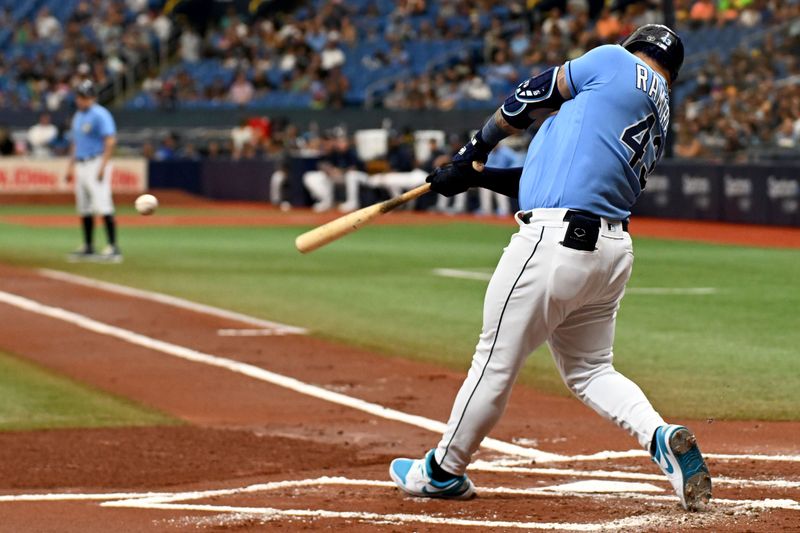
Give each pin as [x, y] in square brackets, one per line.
[86, 88]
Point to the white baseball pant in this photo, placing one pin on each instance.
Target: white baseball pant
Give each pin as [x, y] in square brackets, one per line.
[399, 182]
[93, 196]
[322, 187]
[487, 200]
[454, 204]
[541, 292]
[275, 186]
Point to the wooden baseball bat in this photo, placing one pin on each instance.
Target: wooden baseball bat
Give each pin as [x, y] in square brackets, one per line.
[322, 235]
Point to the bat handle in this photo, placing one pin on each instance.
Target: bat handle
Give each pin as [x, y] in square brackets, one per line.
[407, 196]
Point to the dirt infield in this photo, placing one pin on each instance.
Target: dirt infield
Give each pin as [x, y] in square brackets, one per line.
[290, 432]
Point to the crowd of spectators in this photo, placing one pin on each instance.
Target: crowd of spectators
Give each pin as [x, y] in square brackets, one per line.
[553, 33]
[255, 137]
[747, 104]
[285, 53]
[42, 140]
[305, 52]
[731, 104]
[100, 40]
[745, 13]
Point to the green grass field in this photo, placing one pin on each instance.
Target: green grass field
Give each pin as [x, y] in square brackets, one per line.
[33, 398]
[731, 354]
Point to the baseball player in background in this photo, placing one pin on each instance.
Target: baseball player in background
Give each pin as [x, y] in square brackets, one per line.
[503, 156]
[561, 278]
[93, 139]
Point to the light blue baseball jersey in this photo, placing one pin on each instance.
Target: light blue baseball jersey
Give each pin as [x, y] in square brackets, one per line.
[89, 130]
[596, 153]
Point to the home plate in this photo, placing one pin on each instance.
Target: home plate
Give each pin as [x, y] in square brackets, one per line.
[599, 485]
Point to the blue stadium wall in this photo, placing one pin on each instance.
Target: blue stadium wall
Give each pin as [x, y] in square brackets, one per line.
[747, 193]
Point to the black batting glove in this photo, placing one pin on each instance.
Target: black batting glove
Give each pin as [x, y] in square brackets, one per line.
[475, 150]
[452, 179]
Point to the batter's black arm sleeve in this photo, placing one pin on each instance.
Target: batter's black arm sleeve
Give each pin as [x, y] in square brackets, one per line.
[501, 180]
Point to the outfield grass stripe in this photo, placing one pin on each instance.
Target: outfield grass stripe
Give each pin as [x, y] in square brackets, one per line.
[257, 373]
[174, 301]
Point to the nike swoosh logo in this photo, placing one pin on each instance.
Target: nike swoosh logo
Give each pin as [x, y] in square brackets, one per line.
[662, 455]
[449, 491]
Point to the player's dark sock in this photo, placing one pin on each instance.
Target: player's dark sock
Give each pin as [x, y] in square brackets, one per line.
[653, 444]
[87, 223]
[439, 474]
[111, 229]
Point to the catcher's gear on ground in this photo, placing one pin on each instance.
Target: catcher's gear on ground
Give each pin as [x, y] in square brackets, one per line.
[660, 43]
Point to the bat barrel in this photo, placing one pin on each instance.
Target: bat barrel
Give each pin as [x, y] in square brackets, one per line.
[322, 235]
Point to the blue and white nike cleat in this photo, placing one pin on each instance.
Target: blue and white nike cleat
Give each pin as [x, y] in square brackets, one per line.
[678, 456]
[413, 476]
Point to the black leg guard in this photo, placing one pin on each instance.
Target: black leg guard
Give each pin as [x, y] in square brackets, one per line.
[87, 223]
[111, 229]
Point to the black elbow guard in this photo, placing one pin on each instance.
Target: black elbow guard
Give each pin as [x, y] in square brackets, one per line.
[538, 92]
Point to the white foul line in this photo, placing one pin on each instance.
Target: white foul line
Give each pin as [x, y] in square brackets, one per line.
[75, 497]
[174, 301]
[261, 374]
[486, 276]
[255, 372]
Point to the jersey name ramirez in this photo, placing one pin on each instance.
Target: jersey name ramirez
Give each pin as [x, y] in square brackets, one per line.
[657, 91]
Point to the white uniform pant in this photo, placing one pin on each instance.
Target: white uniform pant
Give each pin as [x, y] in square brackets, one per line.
[489, 198]
[321, 187]
[93, 196]
[275, 186]
[394, 182]
[399, 182]
[459, 203]
[544, 292]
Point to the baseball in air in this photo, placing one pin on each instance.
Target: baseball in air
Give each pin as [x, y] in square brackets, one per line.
[146, 204]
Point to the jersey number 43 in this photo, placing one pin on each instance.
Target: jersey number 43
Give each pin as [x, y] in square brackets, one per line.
[643, 141]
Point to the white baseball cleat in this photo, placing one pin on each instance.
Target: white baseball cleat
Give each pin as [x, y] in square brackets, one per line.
[678, 456]
[110, 254]
[413, 476]
[84, 253]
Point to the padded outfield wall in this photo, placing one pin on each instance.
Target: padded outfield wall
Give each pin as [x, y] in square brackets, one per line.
[749, 193]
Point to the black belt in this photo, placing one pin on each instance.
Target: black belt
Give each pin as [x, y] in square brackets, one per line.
[573, 212]
[526, 217]
[89, 158]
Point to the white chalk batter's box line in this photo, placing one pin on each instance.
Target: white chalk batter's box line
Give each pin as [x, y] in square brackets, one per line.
[486, 275]
[157, 501]
[582, 489]
[380, 411]
[266, 327]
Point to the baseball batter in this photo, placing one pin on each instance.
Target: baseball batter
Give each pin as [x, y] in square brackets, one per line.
[93, 139]
[561, 278]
